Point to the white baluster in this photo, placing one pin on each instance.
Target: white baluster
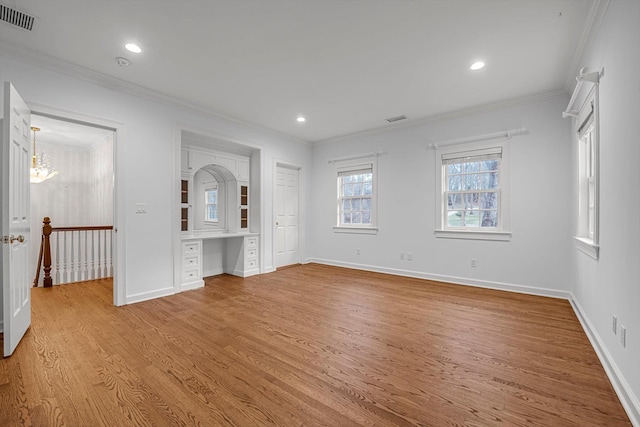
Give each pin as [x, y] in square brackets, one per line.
[93, 255]
[57, 275]
[85, 273]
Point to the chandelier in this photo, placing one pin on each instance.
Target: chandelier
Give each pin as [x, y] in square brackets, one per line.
[41, 170]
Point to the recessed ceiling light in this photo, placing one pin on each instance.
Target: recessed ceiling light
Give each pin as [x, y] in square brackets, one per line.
[477, 65]
[301, 119]
[132, 47]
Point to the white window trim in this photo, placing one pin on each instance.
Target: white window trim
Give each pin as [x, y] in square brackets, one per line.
[206, 213]
[358, 163]
[589, 246]
[586, 246]
[501, 233]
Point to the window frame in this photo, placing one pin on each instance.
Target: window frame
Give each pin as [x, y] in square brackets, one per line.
[355, 165]
[207, 204]
[470, 150]
[588, 185]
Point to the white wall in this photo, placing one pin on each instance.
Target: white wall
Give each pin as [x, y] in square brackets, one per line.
[80, 195]
[100, 181]
[536, 258]
[611, 284]
[146, 169]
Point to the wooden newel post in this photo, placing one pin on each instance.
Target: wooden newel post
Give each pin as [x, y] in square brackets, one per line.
[46, 232]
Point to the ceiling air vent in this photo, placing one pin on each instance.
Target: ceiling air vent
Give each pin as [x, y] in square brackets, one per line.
[396, 118]
[15, 17]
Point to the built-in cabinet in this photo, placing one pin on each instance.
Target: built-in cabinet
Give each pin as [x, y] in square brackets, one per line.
[192, 264]
[224, 215]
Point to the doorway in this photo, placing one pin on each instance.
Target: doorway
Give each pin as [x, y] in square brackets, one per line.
[287, 215]
[81, 195]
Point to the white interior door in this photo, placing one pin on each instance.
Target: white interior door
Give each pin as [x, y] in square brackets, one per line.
[14, 185]
[287, 216]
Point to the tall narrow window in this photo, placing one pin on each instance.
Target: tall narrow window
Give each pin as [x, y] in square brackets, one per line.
[211, 204]
[587, 129]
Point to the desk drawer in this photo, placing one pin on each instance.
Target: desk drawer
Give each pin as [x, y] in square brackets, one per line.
[251, 253]
[191, 261]
[251, 243]
[190, 248]
[191, 274]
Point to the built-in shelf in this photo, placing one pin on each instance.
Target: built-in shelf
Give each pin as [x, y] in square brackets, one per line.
[184, 200]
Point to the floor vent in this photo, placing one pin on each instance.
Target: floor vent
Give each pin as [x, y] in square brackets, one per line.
[396, 118]
[15, 17]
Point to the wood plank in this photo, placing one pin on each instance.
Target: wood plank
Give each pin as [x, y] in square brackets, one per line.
[309, 345]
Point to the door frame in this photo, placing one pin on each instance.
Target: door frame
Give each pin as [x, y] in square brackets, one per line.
[301, 216]
[118, 128]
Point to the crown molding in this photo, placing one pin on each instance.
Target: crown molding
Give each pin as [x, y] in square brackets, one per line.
[589, 32]
[510, 103]
[76, 71]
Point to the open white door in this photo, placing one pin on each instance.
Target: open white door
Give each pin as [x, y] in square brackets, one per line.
[15, 227]
[287, 219]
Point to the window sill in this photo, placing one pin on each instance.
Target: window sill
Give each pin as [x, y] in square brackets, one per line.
[501, 236]
[587, 246]
[356, 230]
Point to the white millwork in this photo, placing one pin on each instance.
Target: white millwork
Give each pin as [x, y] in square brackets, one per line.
[16, 287]
[192, 264]
[287, 216]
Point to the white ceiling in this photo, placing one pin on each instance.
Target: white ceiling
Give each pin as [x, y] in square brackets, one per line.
[346, 65]
[73, 136]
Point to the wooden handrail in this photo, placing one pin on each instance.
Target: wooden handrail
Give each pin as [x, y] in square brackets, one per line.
[89, 228]
[44, 258]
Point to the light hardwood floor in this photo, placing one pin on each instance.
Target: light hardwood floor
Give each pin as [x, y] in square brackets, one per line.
[305, 346]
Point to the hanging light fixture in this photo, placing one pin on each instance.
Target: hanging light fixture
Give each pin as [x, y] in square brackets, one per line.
[40, 168]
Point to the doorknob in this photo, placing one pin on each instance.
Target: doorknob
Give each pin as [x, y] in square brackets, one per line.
[13, 238]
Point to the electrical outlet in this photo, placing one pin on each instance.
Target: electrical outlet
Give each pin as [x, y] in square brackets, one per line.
[409, 256]
[473, 263]
[402, 256]
[614, 325]
[623, 336]
[358, 251]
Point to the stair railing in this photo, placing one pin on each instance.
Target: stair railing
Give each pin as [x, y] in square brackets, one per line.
[79, 253]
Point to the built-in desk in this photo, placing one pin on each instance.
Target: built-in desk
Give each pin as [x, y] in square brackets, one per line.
[210, 253]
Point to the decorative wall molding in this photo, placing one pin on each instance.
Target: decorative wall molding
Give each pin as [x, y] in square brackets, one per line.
[103, 80]
[477, 138]
[510, 103]
[594, 19]
[355, 157]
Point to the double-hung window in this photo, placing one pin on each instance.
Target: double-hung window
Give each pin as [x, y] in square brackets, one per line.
[587, 129]
[473, 192]
[356, 207]
[211, 204]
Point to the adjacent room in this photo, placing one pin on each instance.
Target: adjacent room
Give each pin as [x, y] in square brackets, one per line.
[320, 212]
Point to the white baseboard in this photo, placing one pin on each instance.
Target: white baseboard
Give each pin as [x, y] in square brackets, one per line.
[628, 399]
[532, 290]
[145, 296]
[196, 284]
